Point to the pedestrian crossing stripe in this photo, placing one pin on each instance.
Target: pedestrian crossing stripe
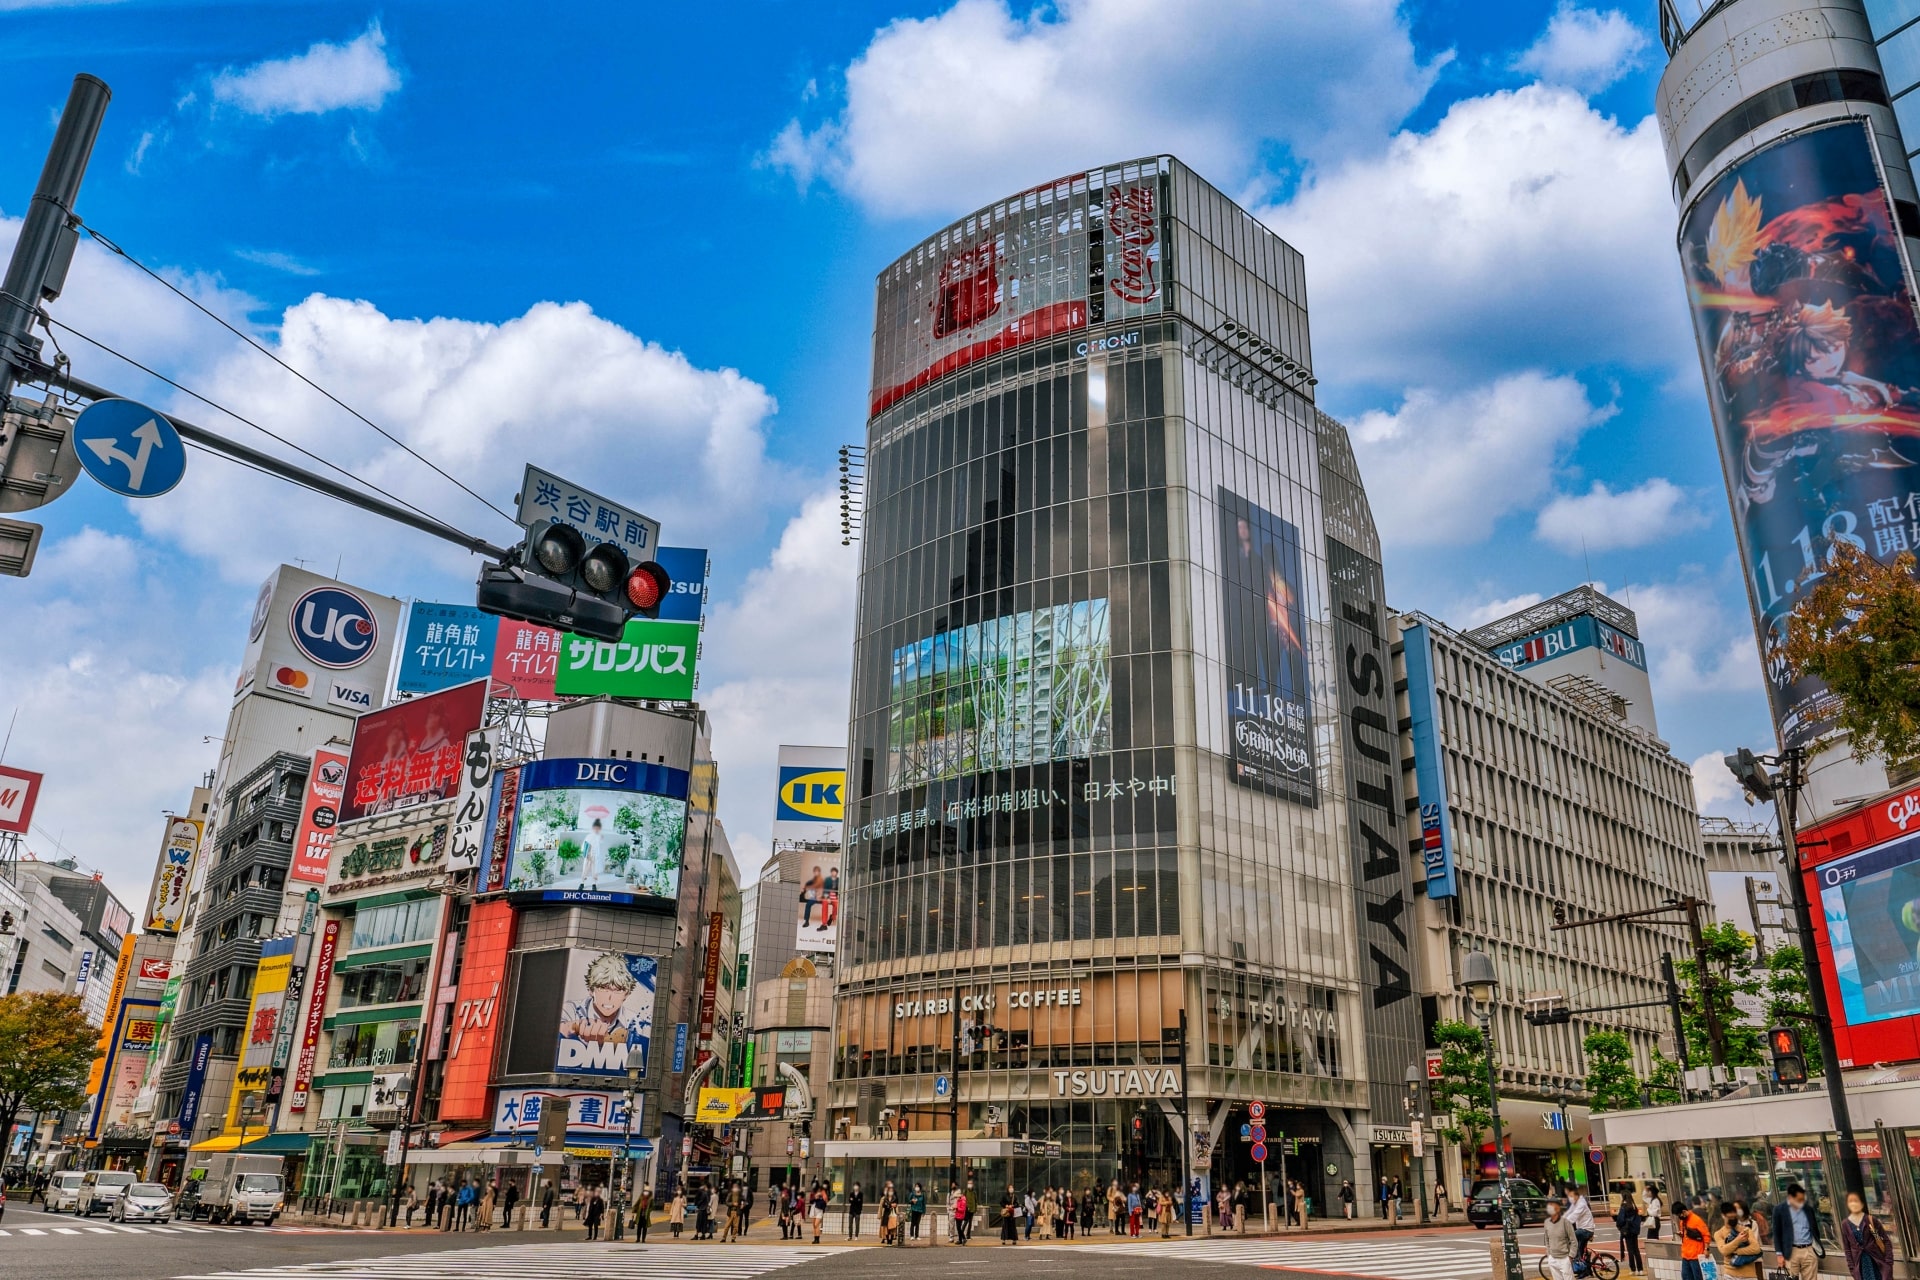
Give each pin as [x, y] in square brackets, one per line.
[1387, 1260]
[113, 1227]
[603, 1261]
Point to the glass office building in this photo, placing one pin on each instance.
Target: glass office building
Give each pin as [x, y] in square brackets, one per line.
[1104, 880]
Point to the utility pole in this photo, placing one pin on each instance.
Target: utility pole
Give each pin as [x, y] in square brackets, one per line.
[1672, 981]
[953, 1125]
[38, 270]
[1716, 1035]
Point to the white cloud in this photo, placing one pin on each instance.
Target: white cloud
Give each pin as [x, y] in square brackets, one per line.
[784, 643]
[1524, 229]
[1480, 615]
[1602, 519]
[944, 113]
[1714, 789]
[1695, 644]
[275, 260]
[1584, 49]
[356, 75]
[1455, 463]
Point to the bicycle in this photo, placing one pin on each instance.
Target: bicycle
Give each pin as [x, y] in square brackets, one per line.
[1598, 1264]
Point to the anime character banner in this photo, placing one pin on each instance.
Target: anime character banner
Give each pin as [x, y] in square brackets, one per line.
[1269, 704]
[607, 1011]
[1806, 328]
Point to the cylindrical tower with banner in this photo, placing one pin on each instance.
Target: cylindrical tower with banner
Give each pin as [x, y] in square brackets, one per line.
[1797, 212]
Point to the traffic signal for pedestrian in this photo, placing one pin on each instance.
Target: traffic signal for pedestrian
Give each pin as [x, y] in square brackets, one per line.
[903, 1128]
[1750, 774]
[1789, 1061]
[555, 578]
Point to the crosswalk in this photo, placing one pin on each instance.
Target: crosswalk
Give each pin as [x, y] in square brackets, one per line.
[1386, 1259]
[115, 1228]
[547, 1262]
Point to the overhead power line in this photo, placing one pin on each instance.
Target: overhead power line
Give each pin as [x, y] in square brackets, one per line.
[251, 341]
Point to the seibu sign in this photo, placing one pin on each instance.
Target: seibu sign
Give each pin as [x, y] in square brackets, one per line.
[1118, 1082]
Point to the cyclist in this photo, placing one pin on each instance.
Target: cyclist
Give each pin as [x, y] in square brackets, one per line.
[1580, 1218]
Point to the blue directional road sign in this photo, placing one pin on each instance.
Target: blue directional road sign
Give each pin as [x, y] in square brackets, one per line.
[942, 1086]
[129, 448]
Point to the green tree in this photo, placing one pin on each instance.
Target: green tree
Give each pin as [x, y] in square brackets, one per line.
[1460, 1091]
[1663, 1081]
[1787, 1001]
[1612, 1084]
[1728, 972]
[1857, 629]
[47, 1047]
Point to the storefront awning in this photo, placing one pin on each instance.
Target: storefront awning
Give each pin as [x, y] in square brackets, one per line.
[276, 1144]
[225, 1142]
[483, 1152]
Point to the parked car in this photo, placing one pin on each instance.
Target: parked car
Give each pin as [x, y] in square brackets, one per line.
[100, 1188]
[143, 1202]
[1483, 1203]
[63, 1193]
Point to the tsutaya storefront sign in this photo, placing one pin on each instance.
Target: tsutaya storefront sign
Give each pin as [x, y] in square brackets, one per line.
[1118, 1082]
[1017, 997]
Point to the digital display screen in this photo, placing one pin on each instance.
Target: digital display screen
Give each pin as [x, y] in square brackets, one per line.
[613, 831]
[1024, 689]
[1872, 906]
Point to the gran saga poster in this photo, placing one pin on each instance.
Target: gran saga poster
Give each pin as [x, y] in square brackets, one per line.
[1812, 358]
[1269, 706]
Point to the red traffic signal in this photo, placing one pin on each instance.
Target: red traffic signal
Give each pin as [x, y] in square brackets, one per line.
[647, 586]
[1789, 1061]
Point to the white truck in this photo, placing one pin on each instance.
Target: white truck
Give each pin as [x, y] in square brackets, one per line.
[226, 1187]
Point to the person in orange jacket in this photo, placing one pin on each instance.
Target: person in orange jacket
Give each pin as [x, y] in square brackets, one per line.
[1691, 1230]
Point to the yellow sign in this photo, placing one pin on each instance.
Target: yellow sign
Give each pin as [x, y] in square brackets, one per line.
[98, 1074]
[263, 1023]
[718, 1106]
[811, 795]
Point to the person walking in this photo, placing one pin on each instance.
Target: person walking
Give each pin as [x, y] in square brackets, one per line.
[856, 1202]
[1738, 1243]
[886, 1211]
[1300, 1206]
[1440, 1199]
[483, 1212]
[1691, 1231]
[1652, 1207]
[507, 1203]
[956, 1214]
[595, 1209]
[413, 1202]
[1029, 1210]
[643, 1214]
[463, 1206]
[916, 1210]
[1009, 1217]
[1627, 1220]
[1869, 1250]
[676, 1213]
[1796, 1235]
[817, 1211]
[1346, 1197]
[1559, 1240]
[731, 1231]
[546, 1206]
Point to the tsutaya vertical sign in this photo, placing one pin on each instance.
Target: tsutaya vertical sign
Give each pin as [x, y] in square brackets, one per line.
[1429, 769]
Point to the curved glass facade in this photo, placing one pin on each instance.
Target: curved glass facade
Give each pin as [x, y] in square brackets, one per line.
[1096, 789]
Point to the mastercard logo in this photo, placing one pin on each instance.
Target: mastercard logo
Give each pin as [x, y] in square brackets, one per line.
[292, 678]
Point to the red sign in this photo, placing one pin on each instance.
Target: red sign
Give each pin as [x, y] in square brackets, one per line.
[503, 830]
[410, 753]
[316, 1014]
[1131, 222]
[1797, 1155]
[19, 790]
[525, 658]
[1435, 1058]
[477, 1013]
[319, 815]
[710, 987]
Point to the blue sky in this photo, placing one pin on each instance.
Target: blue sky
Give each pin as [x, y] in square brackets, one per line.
[639, 241]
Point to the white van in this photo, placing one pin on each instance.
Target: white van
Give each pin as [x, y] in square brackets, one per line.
[101, 1187]
[63, 1193]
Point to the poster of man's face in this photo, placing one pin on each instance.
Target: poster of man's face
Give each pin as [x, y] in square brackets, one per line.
[1263, 621]
[607, 1011]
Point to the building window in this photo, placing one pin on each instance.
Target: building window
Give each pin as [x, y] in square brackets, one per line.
[389, 982]
[373, 1044]
[395, 925]
[347, 1102]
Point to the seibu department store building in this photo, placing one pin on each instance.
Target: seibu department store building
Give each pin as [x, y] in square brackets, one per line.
[1126, 849]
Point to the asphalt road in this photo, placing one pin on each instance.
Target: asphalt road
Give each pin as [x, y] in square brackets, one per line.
[47, 1246]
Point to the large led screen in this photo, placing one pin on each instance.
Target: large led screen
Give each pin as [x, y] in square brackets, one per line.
[608, 1012]
[588, 830]
[1023, 689]
[1806, 331]
[1269, 705]
[1872, 906]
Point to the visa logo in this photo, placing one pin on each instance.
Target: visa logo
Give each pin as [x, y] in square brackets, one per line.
[812, 794]
[351, 696]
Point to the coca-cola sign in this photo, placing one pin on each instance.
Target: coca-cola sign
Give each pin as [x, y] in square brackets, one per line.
[1133, 243]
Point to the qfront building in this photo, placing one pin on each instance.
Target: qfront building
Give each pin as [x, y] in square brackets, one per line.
[1125, 846]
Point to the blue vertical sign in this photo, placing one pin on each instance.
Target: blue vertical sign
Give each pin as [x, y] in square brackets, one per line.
[447, 645]
[196, 1084]
[687, 566]
[1429, 766]
[679, 1047]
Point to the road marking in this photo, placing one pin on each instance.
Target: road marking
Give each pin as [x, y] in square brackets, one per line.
[31, 1231]
[100, 1231]
[65, 1231]
[549, 1262]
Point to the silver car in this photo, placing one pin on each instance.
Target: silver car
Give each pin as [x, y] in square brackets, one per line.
[143, 1202]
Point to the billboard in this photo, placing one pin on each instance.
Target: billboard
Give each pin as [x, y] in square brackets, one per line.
[316, 1015]
[1572, 636]
[319, 815]
[810, 802]
[1049, 261]
[477, 755]
[1806, 330]
[478, 1011]
[819, 923]
[189, 1113]
[19, 791]
[1429, 766]
[598, 830]
[447, 645]
[317, 641]
[263, 1024]
[410, 753]
[608, 1012]
[173, 875]
[1269, 702]
[390, 858]
[591, 1113]
[651, 660]
[723, 1106]
[1023, 689]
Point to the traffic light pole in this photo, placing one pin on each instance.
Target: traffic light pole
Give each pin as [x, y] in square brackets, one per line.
[1786, 805]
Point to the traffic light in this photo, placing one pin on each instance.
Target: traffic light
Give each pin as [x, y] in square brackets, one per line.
[1750, 774]
[1789, 1062]
[556, 579]
[903, 1128]
[1559, 915]
[1139, 1126]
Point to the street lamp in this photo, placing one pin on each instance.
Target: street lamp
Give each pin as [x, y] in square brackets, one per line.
[1480, 981]
[403, 1101]
[1416, 1076]
[616, 1172]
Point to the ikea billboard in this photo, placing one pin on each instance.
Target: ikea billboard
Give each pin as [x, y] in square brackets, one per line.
[810, 804]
